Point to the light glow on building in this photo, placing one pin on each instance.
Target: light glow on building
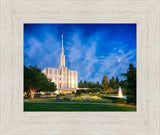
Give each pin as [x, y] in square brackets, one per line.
[63, 78]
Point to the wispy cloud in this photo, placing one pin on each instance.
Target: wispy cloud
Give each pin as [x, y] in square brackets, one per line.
[82, 57]
[43, 53]
[116, 63]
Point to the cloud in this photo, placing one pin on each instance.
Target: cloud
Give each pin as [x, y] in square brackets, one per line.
[111, 66]
[42, 53]
[82, 57]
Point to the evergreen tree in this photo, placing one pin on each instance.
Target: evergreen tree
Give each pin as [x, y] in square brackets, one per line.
[112, 82]
[80, 84]
[117, 81]
[131, 78]
[97, 84]
[105, 82]
[131, 83]
[123, 84]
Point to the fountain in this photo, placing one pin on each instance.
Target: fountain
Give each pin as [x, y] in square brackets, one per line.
[120, 94]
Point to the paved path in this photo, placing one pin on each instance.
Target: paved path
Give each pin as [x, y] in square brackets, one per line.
[78, 103]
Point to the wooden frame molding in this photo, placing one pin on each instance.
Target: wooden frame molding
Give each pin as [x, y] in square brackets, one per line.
[145, 13]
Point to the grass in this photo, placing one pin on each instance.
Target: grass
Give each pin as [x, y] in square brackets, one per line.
[75, 107]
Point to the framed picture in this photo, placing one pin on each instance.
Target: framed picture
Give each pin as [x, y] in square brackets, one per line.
[90, 67]
[19, 114]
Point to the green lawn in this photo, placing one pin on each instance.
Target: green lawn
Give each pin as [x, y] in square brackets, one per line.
[75, 107]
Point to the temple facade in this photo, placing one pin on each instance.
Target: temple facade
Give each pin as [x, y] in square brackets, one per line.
[65, 80]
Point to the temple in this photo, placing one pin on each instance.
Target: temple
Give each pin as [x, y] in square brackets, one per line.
[65, 80]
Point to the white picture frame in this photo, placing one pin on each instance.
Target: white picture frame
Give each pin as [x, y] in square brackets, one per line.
[145, 121]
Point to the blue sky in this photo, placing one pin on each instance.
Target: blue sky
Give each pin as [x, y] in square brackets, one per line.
[94, 50]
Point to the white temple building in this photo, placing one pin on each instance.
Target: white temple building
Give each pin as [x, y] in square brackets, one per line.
[65, 80]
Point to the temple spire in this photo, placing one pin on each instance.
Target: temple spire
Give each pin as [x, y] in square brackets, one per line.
[62, 45]
[62, 61]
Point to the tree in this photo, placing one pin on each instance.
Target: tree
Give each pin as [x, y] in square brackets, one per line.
[35, 80]
[112, 82]
[89, 84]
[117, 82]
[85, 82]
[108, 90]
[105, 82]
[123, 83]
[97, 84]
[131, 83]
[80, 84]
[131, 78]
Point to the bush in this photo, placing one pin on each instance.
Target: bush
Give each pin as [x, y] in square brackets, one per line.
[25, 94]
[113, 91]
[58, 97]
[77, 99]
[119, 100]
[78, 93]
[131, 99]
[37, 95]
[42, 93]
[48, 93]
[101, 95]
[73, 92]
[106, 97]
[86, 98]
[68, 97]
[94, 90]
[108, 90]
[95, 98]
